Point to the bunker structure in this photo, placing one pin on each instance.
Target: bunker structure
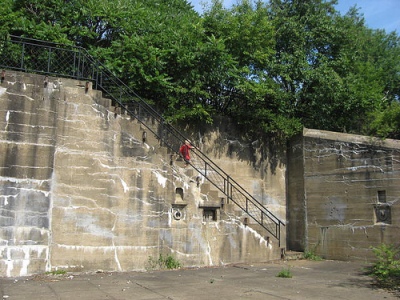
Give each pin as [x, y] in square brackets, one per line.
[91, 179]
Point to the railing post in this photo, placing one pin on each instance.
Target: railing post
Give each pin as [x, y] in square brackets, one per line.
[227, 187]
[78, 76]
[83, 67]
[100, 79]
[93, 70]
[22, 55]
[139, 112]
[230, 189]
[161, 131]
[49, 60]
[278, 233]
[74, 68]
[97, 77]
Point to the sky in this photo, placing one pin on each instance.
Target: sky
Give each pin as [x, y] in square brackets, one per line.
[378, 14]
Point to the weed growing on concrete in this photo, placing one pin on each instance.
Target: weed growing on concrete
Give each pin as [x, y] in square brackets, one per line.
[170, 262]
[386, 270]
[311, 256]
[285, 273]
[163, 262]
[56, 272]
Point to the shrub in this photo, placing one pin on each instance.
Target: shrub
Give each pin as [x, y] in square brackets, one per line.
[170, 262]
[386, 270]
[163, 262]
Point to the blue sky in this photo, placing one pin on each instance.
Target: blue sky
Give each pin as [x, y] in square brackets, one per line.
[378, 14]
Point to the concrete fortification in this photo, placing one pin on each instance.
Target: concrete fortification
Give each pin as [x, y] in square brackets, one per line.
[82, 191]
[343, 194]
[82, 188]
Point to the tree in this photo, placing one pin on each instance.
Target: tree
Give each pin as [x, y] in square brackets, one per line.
[156, 55]
[385, 123]
[249, 94]
[330, 66]
[7, 17]
[273, 67]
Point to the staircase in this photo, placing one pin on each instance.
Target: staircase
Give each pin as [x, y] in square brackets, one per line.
[34, 56]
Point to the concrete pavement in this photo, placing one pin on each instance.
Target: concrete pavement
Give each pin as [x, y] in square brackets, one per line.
[311, 280]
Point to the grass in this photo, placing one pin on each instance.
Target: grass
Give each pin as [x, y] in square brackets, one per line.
[56, 272]
[285, 273]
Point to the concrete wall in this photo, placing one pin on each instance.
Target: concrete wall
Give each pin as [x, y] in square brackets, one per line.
[296, 212]
[80, 191]
[257, 165]
[350, 197]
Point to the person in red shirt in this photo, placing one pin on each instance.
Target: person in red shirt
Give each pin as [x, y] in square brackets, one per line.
[184, 150]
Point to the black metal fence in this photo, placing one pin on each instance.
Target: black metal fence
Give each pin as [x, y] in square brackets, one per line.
[42, 57]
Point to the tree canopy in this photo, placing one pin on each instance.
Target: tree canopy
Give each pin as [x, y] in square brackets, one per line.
[272, 66]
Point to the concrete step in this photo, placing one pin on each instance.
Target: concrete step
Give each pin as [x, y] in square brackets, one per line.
[293, 255]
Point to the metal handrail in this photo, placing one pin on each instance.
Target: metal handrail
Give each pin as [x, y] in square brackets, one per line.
[35, 56]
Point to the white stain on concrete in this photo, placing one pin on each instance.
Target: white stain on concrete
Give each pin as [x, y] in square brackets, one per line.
[161, 179]
[125, 186]
[7, 119]
[116, 257]
[2, 91]
[19, 258]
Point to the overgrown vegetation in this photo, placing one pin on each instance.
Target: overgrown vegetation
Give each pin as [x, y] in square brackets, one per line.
[163, 262]
[272, 66]
[311, 256]
[386, 269]
[285, 273]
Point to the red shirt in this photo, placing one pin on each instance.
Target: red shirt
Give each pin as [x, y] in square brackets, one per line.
[184, 150]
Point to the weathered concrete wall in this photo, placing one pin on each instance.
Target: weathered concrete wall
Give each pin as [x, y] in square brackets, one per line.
[257, 165]
[296, 204]
[80, 191]
[351, 193]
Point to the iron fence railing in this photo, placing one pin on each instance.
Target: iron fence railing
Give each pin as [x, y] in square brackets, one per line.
[34, 56]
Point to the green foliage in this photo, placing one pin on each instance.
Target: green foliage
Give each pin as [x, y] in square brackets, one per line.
[311, 256]
[386, 270]
[57, 272]
[285, 273]
[163, 262]
[170, 262]
[385, 123]
[272, 66]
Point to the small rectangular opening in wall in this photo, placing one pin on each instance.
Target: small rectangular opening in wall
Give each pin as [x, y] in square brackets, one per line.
[381, 196]
[383, 214]
[209, 214]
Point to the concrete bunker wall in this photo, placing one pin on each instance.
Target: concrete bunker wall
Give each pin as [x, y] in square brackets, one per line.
[348, 197]
[80, 190]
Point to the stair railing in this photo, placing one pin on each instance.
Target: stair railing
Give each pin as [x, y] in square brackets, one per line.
[35, 56]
